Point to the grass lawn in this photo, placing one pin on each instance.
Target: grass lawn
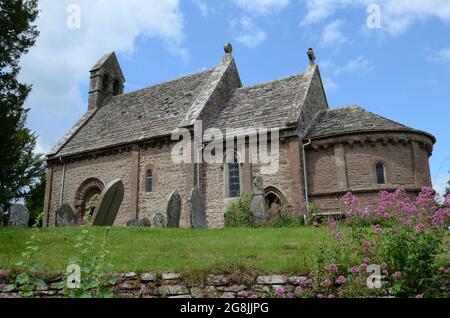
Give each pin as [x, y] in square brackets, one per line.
[284, 250]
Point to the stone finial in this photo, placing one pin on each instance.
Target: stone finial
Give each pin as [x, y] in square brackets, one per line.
[311, 56]
[228, 48]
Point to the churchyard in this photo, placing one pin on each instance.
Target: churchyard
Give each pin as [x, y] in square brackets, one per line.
[397, 247]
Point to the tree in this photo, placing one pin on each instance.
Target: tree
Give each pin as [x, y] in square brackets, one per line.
[34, 199]
[447, 189]
[19, 166]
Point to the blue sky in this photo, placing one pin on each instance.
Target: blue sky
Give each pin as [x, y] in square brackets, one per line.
[400, 70]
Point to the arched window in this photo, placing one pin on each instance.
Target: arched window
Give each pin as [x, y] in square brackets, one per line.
[116, 87]
[105, 83]
[380, 171]
[234, 178]
[149, 181]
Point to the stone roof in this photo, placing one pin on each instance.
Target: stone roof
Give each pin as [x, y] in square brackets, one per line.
[265, 105]
[353, 119]
[143, 114]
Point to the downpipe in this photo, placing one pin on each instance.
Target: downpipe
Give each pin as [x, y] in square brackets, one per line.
[305, 176]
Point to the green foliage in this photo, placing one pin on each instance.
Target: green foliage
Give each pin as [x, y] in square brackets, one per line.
[280, 216]
[447, 189]
[238, 213]
[414, 255]
[96, 269]
[19, 166]
[34, 199]
[28, 280]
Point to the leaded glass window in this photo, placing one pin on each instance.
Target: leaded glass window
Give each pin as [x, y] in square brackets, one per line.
[381, 178]
[149, 181]
[234, 179]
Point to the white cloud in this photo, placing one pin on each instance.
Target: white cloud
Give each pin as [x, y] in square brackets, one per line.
[359, 65]
[250, 34]
[261, 6]
[441, 183]
[441, 56]
[59, 63]
[202, 7]
[397, 16]
[329, 84]
[332, 34]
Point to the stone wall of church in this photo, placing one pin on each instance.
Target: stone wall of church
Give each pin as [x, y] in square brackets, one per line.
[341, 164]
[105, 167]
[167, 177]
[286, 180]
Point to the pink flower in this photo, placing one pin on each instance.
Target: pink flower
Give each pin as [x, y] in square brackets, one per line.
[385, 272]
[279, 291]
[330, 296]
[290, 295]
[363, 266]
[353, 270]
[2, 286]
[366, 260]
[253, 295]
[339, 235]
[327, 282]
[341, 280]
[3, 273]
[319, 296]
[420, 228]
[397, 274]
[419, 296]
[332, 267]
[386, 216]
[316, 224]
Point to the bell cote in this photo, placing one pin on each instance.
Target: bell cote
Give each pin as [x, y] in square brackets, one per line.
[106, 80]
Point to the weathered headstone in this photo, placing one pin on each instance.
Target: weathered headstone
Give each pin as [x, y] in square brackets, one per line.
[109, 203]
[18, 216]
[145, 222]
[133, 223]
[173, 211]
[196, 209]
[258, 204]
[65, 215]
[158, 220]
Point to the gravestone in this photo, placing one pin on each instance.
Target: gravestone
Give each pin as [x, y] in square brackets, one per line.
[258, 204]
[196, 209]
[133, 223]
[18, 216]
[158, 220]
[173, 211]
[65, 216]
[145, 222]
[109, 203]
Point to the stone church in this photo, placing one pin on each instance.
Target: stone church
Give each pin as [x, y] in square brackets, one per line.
[323, 152]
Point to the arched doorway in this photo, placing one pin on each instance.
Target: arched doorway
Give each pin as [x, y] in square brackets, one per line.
[274, 196]
[86, 197]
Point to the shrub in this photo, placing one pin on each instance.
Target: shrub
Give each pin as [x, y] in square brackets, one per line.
[238, 213]
[406, 236]
[96, 271]
[281, 216]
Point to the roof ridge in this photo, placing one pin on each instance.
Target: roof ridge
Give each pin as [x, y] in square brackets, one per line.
[271, 81]
[164, 83]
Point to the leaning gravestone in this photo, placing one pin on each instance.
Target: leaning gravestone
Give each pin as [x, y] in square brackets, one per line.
[158, 220]
[109, 203]
[196, 209]
[258, 204]
[18, 216]
[65, 215]
[174, 210]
